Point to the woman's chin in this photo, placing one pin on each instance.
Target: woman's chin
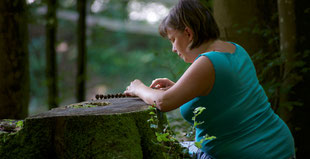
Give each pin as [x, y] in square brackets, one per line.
[187, 61]
[181, 57]
[184, 59]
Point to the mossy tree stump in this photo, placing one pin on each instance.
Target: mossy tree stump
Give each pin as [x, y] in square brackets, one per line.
[85, 130]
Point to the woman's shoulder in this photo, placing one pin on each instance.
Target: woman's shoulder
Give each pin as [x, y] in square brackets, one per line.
[227, 47]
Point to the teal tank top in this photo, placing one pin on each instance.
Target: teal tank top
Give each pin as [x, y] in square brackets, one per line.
[238, 113]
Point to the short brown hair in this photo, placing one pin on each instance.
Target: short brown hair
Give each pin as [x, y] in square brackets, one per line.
[195, 15]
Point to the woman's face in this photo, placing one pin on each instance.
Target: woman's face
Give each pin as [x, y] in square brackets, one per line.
[180, 41]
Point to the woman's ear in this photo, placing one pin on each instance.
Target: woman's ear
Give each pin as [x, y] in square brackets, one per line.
[189, 33]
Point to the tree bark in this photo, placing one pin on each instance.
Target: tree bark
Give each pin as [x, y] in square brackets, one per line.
[287, 25]
[300, 114]
[236, 19]
[14, 63]
[82, 53]
[51, 60]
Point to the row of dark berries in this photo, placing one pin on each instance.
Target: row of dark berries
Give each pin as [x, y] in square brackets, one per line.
[101, 96]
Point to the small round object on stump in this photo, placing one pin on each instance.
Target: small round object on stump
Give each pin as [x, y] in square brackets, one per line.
[97, 96]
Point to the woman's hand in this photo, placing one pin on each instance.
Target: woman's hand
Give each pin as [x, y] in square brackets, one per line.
[162, 83]
[132, 89]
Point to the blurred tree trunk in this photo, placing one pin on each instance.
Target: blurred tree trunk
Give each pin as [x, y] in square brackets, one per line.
[300, 92]
[287, 26]
[236, 20]
[51, 60]
[294, 23]
[82, 54]
[14, 63]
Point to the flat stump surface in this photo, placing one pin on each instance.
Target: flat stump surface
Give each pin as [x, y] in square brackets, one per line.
[115, 106]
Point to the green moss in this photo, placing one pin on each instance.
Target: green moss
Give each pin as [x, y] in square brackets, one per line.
[83, 106]
[125, 135]
[107, 136]
[20, 124]
[9, 120]
[88, 105]
[151, 150]
[31, 142]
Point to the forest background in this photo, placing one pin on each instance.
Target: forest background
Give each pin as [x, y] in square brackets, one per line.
[99, 46]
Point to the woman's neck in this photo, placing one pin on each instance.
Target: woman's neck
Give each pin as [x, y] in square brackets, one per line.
[204, 47]
[212, 45]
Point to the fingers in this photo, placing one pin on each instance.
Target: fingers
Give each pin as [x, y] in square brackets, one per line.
[159, 82]
[130, 90]
[156, 85]
[127, 93]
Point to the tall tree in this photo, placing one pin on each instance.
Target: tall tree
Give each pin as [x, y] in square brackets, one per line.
[287, 26]
[14, 63]
[294, 21]
[51, 62]
[82, 54]
[300, 114]
[236, 19]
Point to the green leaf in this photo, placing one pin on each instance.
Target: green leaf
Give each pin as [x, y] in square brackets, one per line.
[157, 134]
[199, 110]
[198, 123]
[150, 120]
[198, 144]
[210, 138]
[152, 108]
[164, 137]
[20, 124]
[159, 139]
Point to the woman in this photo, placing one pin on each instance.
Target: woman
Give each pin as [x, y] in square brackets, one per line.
[221, 78]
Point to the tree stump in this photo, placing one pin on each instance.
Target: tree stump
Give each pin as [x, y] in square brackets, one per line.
[107, 128]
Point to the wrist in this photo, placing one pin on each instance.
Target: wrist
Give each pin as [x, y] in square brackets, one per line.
[140, 89]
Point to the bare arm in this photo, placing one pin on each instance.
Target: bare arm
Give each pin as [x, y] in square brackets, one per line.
[198, 80]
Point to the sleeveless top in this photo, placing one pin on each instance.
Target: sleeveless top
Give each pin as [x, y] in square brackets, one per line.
[238, 113]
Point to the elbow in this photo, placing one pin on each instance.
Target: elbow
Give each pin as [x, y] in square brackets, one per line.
[162, 103]
[162, 108]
